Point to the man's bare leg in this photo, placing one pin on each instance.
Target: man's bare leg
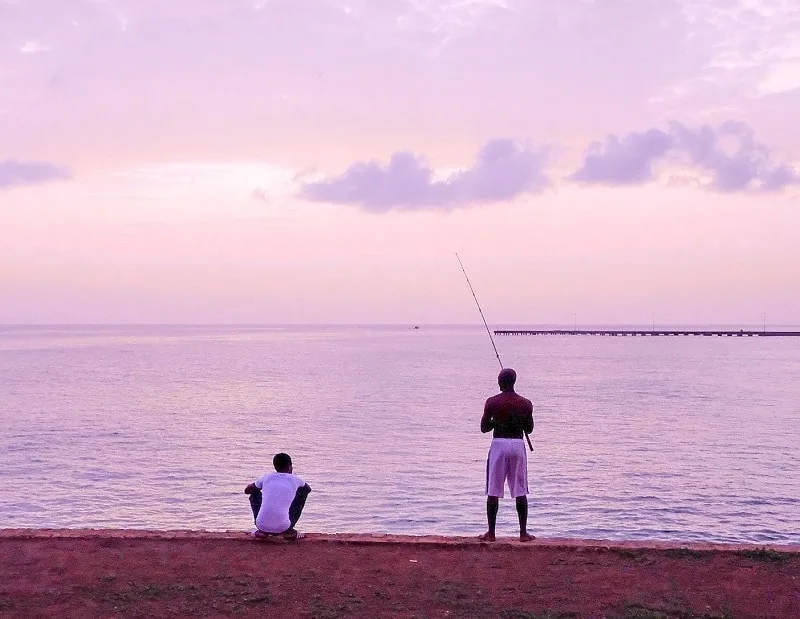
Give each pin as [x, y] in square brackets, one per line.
[522, 513]
[492, 505]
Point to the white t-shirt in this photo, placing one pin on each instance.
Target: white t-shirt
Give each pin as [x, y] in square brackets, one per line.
[277, 493]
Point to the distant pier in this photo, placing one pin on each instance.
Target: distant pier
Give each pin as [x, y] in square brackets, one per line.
[649, 332]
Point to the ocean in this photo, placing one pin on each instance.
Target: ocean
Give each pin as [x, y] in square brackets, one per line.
[162, 427]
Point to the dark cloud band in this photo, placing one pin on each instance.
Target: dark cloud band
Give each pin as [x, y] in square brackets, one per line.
[726, 156]
[632, 159]
[16, 173]
[503, 170]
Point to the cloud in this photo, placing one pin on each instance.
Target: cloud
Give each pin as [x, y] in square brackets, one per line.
[33, 47]
[332, 53]
[728, 154]
[503, 170]
[623, 161]
[754, 43]
[16, 173]
[637, 62]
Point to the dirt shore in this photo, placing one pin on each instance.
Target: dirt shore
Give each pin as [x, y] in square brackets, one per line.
[181, 573]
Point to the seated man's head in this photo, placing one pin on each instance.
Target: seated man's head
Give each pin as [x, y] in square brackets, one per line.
[282, 463]
[506, 379]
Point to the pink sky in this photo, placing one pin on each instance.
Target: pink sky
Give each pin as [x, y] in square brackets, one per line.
[318, 161]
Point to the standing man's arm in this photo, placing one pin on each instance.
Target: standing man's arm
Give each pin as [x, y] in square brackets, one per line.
[528, 427]
[250, 489]
[487, 422]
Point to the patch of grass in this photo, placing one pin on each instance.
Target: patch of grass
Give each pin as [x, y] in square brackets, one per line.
[766, 555]
[685, 553]
[258, 599]
[462, 601]
[635, 555]
[151, 592]
[180, 587]
[672, 609]
[451, 592]
[348, 605]
[726, 612]
[223, 595]
[516, 613]
[321, 610]
[646, 559]
[642, 612]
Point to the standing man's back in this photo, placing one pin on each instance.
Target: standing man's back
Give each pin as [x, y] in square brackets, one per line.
[509, 416]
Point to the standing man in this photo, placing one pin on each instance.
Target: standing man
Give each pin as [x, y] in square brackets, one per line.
[509, 415]
[277, 500]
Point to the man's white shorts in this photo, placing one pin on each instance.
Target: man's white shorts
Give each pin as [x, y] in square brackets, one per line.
[507, 460]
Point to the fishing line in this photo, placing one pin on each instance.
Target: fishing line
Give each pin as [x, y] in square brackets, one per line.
[488, 331]
[491, 339]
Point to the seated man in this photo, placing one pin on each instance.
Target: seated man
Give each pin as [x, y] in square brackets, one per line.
[277, 500]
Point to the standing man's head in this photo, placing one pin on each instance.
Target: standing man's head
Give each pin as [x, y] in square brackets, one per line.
[506, 379]
[282, 463]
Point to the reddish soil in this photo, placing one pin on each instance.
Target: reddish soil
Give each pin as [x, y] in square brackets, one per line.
[128, 573]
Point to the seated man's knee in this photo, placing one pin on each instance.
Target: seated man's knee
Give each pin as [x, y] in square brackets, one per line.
[255, 502]
[299, 502]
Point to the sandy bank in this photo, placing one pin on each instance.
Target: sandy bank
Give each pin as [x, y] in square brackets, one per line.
[159, 573]
[383, 539]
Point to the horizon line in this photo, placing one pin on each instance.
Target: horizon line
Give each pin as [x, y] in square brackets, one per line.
[499, 325]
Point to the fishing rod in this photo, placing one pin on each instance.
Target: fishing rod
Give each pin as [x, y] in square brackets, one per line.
[488, 331]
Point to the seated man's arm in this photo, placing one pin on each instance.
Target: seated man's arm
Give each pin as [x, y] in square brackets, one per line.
[250, 489]
[487, 422]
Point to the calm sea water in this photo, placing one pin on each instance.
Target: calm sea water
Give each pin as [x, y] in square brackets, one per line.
[162, 427]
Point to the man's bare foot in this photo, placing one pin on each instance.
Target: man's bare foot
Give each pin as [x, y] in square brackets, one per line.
[290, 535]
[526, 537]
[487, 537]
